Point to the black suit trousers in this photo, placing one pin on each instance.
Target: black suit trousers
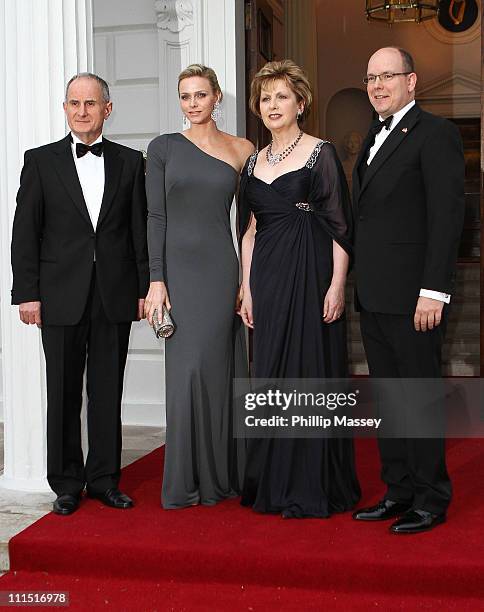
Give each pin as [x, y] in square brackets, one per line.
[414, 470]
[66, 347]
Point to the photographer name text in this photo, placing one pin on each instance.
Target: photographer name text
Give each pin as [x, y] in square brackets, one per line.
[323, 422]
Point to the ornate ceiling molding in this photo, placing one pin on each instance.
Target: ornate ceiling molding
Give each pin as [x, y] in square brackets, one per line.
[173, 15]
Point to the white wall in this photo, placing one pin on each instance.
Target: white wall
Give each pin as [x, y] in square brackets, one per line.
[126, 55]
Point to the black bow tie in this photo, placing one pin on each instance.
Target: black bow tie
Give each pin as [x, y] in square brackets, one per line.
[378, 125]
[82, 149]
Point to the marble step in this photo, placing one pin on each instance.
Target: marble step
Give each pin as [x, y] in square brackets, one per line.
[19, 510]
[462, 326]
[458, 347]
[456, 367]
[462, 349]
[461, 366]
[468, 270]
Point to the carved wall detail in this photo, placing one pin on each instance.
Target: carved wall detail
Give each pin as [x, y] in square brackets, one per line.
[173, 15]
[453, 95]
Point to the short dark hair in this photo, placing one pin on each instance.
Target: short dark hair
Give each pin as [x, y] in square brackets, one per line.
[407, 59]
[89, 75]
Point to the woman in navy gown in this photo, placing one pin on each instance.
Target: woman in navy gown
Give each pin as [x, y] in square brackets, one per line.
[295, 224]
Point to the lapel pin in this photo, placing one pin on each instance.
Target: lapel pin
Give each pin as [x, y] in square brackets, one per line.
[404, 130]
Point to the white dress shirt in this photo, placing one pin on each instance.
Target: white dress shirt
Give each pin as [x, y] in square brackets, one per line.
[384, 133]
[379, 140]
[90, 170]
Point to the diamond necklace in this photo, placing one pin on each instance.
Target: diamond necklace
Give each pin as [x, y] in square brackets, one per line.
[275, 158]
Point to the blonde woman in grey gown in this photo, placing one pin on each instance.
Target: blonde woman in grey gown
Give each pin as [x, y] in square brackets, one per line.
[191, 180]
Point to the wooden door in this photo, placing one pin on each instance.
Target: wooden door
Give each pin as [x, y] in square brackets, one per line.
[259, 45]
[482, 199]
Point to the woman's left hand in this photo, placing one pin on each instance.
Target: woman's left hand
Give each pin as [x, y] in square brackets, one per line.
[238, 299]
[334, 303]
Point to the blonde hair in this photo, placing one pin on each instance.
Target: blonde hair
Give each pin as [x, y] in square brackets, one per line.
[199, 70]
[289, 72]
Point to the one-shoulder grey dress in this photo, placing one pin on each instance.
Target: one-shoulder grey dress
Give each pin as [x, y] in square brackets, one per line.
[191, 248]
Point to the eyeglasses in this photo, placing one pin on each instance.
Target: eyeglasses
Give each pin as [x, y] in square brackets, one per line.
[384, 76]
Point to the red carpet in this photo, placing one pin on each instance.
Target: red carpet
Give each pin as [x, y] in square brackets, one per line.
[229, 558]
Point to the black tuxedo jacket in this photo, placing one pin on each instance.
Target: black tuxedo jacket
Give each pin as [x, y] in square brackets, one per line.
[54, 242]
[409, 212]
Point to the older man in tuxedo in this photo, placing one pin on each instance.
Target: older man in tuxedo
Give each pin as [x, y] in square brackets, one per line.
[408, 194]
[80, 272]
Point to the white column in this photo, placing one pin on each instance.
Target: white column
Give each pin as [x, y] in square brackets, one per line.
[44, 42]
[209, 32]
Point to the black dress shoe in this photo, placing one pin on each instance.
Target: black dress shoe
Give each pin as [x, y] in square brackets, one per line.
[113, 498]
[384, 509]
[66, 504]
[416, 521]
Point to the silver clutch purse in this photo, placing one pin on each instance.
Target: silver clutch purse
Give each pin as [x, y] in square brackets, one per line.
[166, 328]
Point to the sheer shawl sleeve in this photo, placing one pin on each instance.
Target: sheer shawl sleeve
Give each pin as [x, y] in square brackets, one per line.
[156, 196]
[243, 207]
[330, 198]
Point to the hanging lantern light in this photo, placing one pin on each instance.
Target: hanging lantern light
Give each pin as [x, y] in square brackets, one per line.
[398, 11]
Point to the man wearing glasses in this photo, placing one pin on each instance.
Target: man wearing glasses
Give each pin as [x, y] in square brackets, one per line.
[408, 194]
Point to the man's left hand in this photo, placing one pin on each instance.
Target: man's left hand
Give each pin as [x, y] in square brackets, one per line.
[428, 313]
[141, 309]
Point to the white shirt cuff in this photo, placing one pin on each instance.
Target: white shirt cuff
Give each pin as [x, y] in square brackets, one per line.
[435, 295]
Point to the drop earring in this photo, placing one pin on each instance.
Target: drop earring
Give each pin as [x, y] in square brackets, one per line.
[186, 123]
[216, 112]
